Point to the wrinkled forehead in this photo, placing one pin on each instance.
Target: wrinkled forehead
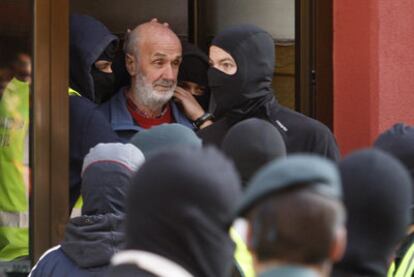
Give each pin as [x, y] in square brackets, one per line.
[165, 44]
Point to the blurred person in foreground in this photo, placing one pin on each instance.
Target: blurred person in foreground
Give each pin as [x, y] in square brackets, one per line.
[296, 217]
[14, 160]
[377, 198]
[251, 144]
[179, 211]
[92, 238]
[399, 142]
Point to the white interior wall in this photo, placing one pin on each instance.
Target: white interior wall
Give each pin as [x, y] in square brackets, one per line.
[275, 16]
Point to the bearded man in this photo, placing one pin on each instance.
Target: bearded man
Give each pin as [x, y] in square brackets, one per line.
[152, 59]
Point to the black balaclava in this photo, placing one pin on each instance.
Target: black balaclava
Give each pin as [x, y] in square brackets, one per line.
[377, 197]
[194, 68]
[104, 83]
[122, 77]
[106, 171]
[181, 206]
[245, 93]
[90, 40]
[251, 144]
[399, 142]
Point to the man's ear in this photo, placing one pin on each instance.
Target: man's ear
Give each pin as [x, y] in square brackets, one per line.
[131, 64]
[338, 245]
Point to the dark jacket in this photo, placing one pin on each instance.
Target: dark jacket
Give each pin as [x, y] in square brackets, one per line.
[129, 270]
[88, 40]
[87, 128]
[116, 112]
[93, 238]
[248, 93]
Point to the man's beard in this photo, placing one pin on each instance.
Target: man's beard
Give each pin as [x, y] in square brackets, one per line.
[149, 96]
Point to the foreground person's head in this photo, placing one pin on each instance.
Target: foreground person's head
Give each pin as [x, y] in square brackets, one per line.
[181, 206]
[296, 217]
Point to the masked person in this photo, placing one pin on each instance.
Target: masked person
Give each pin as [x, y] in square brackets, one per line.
[14, 161]
[179, 211]
[377, 198]
[399, 142]
[240, 81]
[192, 79]
[92, 48]
[251, 144]
[91, 239]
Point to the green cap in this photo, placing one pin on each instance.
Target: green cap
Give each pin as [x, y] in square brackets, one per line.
[165, 136]
[294, 170]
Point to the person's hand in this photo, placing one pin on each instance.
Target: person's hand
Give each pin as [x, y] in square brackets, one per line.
[156, 21]
[191, 107]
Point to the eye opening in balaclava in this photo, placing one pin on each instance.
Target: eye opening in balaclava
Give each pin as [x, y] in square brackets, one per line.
[104, 82]
[88, 40]
[220, 58]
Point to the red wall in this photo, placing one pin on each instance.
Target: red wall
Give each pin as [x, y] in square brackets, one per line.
[373, 69]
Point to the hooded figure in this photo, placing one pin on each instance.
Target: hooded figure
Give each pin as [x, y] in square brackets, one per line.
[91, 41]
[91, 239]
[377, 197]
[399, 142]
[248, 93]
[165, 136]
[251, 144]
[193, 68]
[179, 212]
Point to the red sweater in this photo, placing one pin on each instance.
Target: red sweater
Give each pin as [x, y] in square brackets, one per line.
[146, 123]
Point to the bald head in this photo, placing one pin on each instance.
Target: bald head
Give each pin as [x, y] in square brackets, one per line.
[149, 32]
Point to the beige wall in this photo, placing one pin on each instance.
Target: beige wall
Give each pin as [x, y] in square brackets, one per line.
[275, 16]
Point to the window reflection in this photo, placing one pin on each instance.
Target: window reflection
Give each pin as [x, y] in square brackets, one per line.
[15, 87]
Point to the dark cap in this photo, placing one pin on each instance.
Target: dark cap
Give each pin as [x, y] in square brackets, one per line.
[294, 170]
